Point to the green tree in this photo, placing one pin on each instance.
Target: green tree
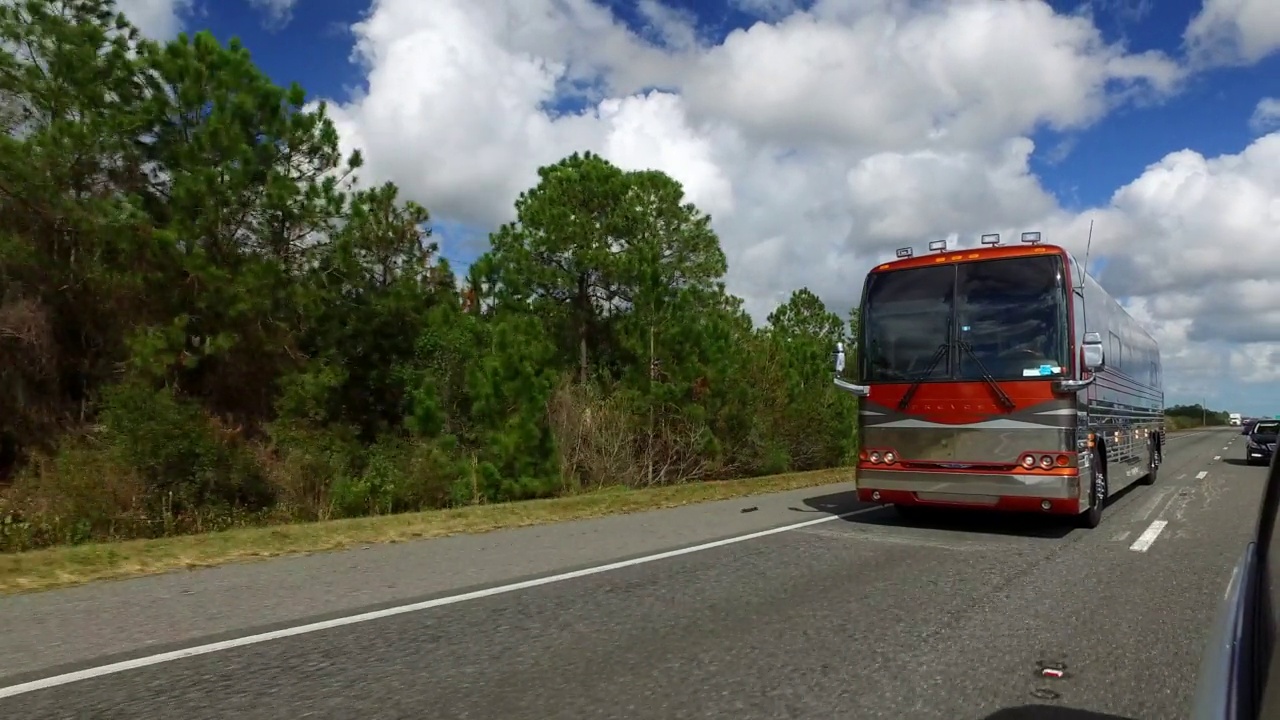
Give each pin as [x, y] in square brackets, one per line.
[244, 176]
[206, 322]
[73, 252]
[371, 294]
[817, 424]
[560, 257]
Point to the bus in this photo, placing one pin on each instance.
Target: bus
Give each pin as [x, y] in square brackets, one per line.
[1002, 377]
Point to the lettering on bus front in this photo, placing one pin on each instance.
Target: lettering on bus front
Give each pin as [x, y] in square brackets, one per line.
[965, 407]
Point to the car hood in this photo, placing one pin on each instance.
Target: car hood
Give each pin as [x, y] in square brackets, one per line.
[1263, 438]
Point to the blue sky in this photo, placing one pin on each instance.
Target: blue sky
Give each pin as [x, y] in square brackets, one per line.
[1073, 174]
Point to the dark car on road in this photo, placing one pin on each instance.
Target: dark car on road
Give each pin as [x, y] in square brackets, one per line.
[1262, 442]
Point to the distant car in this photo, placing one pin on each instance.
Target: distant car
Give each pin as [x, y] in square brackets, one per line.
[1262, 442]
[1247, 426]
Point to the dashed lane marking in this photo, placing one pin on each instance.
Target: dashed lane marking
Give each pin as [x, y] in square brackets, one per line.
[1148, 536]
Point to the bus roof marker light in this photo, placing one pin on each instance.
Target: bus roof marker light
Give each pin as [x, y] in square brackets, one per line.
[938, 246]
[991, 239]
[1031, 238]
[905, 252]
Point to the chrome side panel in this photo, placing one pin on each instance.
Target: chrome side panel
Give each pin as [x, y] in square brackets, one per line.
[1048, 427]
[971, 488]
[1125, 404]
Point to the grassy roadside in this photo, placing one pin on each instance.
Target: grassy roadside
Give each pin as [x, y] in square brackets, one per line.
[1181, 424]
[75, 565]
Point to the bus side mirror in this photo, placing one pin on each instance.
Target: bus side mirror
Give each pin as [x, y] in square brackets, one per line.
[852, 389]
[1094, 358]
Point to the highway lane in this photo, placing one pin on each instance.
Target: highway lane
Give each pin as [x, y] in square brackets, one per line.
[862, 617]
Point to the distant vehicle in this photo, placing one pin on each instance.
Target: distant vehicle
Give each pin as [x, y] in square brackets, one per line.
[1234, 419]
[1247, 426]
[1262, 442]
[1004, 378]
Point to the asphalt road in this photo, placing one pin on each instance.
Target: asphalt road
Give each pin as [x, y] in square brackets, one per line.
[856, 617]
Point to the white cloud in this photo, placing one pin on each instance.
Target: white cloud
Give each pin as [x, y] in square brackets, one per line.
[159, 19]
[888, 190]
[821, 141]
[278, 12]
[1266, 116]
[675, 29]
[1192, 240]
[944, 76]
[1229, 32]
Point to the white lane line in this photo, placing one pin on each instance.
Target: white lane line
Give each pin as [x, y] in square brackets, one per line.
[125, 665]
[1148, 536]
[1201, 475]
[1217, 457]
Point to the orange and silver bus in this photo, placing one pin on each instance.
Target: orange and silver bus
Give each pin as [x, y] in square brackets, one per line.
[1002, 377]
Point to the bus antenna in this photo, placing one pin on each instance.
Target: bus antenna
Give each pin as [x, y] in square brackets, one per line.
[1087, 247]
[1084, 306]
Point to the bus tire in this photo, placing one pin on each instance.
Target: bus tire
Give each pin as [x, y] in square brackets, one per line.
[1092, 517]
[1153, 464]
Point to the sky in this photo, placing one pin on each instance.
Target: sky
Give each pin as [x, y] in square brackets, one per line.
[821, 135]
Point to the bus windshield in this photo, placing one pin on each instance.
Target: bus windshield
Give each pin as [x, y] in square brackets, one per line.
[905, 318]
[1011, 314]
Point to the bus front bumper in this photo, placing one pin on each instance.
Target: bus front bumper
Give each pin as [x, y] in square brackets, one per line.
[1015, 492]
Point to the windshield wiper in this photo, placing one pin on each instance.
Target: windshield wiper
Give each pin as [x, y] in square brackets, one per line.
[943, 350]
[987, 377]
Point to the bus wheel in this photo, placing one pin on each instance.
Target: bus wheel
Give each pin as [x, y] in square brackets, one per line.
[1092, 517]
[1153, 464]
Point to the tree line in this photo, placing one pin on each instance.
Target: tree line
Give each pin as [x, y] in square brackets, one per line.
[207, 321]
[1185, 416]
